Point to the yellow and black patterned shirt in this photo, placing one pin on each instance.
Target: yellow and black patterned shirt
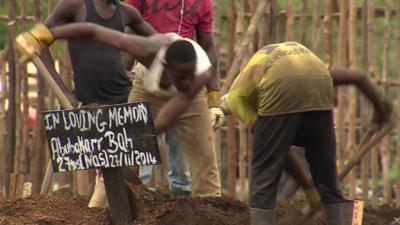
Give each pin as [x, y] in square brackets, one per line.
[280, 79]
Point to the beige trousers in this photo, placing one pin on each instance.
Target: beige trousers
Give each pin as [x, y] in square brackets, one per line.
[194, 137]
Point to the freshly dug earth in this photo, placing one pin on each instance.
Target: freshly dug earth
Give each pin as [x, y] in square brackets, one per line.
[155, 209]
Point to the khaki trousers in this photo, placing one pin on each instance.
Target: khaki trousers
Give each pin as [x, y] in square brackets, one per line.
[194, 136]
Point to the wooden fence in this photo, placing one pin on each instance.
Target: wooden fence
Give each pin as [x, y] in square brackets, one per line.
[361, 35]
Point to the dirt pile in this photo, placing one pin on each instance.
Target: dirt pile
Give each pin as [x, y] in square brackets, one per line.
[155, 209]
[54, 209]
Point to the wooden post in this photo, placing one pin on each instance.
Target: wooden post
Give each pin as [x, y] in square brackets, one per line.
[328, 33]
[365, 165]
[303, 22]
[264, 29]
[39, 138]
[231, 139]
[315, 30]
[371, 70]
[385, 146]
[273, 32]
[3, 135]
[342, 61]
[351, 145]
[397, 5]
[23, 158]
[289, 20]
[11, 113]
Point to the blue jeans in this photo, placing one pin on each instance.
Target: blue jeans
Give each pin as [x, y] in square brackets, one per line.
[179, 178]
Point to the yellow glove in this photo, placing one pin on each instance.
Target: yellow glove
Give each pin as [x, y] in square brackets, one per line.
[217, 117]
[216, 113]
[32, 42]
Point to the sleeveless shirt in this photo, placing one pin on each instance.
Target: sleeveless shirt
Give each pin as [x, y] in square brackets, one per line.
[99, 74]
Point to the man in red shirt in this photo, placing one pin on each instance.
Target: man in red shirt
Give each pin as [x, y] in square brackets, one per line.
[187, 18]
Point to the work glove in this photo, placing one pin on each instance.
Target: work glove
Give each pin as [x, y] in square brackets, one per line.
[382, 115]
[216, 113]
[32, 42]
[217, 117]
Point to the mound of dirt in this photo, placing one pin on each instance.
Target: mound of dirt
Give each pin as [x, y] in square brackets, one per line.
[54, 209]
[155, 209]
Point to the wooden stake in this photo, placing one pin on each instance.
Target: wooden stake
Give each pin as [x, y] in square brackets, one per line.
[315, 30]
[353, 94]
[303, 22]
[342, 60]
[289, 20]
[371, 69]
[397, 5]
[328, 32]
[366, 162]
[385, 147]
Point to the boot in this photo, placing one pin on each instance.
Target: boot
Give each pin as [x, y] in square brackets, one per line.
[99, 196]
[262, 216]
[339, 214]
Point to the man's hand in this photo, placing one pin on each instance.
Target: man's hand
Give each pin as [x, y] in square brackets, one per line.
[32, 42]
[217, 117]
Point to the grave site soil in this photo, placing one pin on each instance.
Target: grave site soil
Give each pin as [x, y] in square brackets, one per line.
[63, 208]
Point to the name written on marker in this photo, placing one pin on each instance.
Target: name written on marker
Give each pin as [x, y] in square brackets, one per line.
[101, 137]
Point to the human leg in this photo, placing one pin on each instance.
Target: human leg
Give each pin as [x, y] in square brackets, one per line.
[273, 137]
[179, 178]
[195, 138]
[321, 156]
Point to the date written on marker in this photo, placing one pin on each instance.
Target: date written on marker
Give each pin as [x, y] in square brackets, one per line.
[101, 137]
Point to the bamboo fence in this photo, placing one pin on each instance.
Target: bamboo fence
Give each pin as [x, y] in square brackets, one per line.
[361, 35]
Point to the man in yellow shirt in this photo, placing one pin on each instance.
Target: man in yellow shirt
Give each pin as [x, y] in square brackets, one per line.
[287, 92]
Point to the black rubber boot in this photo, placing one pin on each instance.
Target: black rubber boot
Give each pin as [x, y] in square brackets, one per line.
[339, 214]
[262, 216]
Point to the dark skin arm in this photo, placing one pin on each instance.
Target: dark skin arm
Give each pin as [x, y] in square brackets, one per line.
[138, 47]
[62, 13]
[170, 112]
[206, 41]
[134, 25]
[343, 76]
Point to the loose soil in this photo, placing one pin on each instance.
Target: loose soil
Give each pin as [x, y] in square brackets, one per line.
[63, 208]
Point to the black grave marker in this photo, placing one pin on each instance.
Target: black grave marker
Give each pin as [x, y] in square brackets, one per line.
[101, 137]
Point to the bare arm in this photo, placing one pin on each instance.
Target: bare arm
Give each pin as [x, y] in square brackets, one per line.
[342, 76]
[134, 20]
[140, 48]
[170, 112]
[63, 13]
[206, 41]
